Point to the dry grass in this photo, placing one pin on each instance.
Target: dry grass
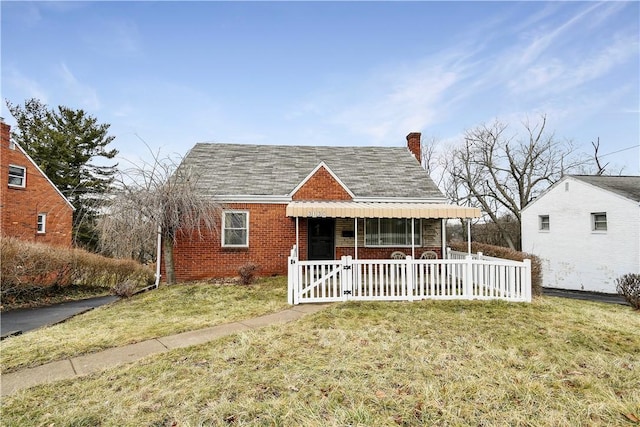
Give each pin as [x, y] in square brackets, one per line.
[554, 362]
[166, 311]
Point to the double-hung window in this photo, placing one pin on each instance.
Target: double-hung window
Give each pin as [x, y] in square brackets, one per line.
[599, 221]
[543, 222]
[235, 229]
[17, 176]
[391, 232]
[42, 223]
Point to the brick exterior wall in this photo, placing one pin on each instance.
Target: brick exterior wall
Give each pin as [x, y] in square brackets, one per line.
[19, 207]
[271, 237]
[321, 186]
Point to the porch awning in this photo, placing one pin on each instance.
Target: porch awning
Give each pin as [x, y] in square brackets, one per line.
[379, 210]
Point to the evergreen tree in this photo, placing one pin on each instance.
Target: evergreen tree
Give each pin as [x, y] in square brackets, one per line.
[70, 146]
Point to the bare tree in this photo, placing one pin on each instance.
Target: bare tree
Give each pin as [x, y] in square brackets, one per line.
[503, 173]
[157, 195]
[596, 147]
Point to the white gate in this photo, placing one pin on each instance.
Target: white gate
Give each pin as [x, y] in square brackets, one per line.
[407, 279]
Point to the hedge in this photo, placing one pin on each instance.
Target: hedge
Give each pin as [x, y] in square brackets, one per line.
[26, 266]
[507, 253]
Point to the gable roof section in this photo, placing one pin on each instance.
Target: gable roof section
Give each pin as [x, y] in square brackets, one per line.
[331, 180]
[23, 151]
[625, 186]
[261, 171]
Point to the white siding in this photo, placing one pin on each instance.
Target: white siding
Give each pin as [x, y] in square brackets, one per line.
[573, 256]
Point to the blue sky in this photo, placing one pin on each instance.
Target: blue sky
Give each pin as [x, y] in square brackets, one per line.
[359, 73]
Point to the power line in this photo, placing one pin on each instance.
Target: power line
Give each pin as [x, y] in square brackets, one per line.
[620, 151]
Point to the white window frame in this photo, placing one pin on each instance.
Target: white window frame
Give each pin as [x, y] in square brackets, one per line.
[23, 177]
[418, 229]
[595, 221]
[542, 222]
[42, 221]
[224, 229]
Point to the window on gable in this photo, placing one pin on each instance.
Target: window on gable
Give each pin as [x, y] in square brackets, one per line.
[42, 223]
[543, 222]
[391, 232]
[17, 176]
[599, 221]
[235, 229]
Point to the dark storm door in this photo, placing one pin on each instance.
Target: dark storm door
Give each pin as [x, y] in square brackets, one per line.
[321, 233]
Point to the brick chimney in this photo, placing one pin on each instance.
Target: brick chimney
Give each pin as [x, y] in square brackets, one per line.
[5, 133]
[413, 142]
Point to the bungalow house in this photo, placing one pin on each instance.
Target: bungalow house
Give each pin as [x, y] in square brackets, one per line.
[31, 206]
[586, 230]
[328, 202]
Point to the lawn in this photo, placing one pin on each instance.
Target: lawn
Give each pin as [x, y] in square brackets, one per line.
[168, 310]
[553, 362]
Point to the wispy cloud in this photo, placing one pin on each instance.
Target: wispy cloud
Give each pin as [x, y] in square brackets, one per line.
[550, 62]
[21, 83]
[115, 38]
[85, 95]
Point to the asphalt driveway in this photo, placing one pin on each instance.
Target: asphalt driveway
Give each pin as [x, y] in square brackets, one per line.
[23, 320]
[586, 296]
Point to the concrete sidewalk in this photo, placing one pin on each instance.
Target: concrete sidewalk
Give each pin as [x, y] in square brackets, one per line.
[96, 362]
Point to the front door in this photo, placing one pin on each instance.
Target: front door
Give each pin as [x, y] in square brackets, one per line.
[322, 232]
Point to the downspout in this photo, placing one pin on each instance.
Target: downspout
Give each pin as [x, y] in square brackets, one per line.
[158, 255]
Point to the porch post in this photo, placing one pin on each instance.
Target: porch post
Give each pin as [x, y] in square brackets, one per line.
[469, 235]
[297, 238]
[356, 237]
[443, 226]
[413, 238]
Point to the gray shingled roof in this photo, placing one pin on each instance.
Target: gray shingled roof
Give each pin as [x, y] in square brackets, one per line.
[275, 170]
[626, 186]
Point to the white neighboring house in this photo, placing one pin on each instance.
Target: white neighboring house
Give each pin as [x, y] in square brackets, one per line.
[586, 230]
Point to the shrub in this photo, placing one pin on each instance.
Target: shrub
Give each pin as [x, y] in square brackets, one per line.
[247, 273]
[27, 268]
[507, 253]
[629, 287]
[124, 289]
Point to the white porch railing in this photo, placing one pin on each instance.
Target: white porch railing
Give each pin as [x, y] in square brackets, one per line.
[407, 279]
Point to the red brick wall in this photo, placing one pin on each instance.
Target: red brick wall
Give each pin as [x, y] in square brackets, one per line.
[321, 186]
[271, 237]
[19, 207]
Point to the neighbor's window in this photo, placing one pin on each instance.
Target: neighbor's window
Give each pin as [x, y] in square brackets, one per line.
[544, 222]
[42, 223]
[17, 176]
[235, 229]
[599, 221]
[391, 232]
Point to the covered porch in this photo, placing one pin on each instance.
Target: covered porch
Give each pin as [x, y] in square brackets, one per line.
[331, 271]
[330, 230]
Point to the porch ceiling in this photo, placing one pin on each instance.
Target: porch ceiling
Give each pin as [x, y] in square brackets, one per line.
[378, 210]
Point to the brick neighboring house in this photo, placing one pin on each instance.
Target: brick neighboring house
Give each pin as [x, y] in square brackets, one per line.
[329, 201]
[31, 206]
